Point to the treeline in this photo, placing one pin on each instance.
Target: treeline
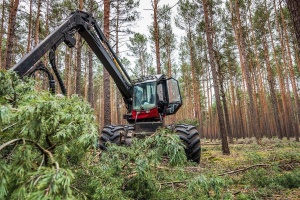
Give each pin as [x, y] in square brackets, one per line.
[245, 50]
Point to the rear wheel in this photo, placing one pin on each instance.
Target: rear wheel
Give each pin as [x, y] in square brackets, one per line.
[191, 140]
[112, 134]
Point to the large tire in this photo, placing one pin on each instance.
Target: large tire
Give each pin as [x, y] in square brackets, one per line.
[112, 134]
[191, 140]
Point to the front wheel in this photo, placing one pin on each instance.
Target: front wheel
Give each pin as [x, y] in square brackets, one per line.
[191, 140]
[111, 134]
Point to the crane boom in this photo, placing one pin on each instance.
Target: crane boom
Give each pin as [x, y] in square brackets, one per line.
[85, 24]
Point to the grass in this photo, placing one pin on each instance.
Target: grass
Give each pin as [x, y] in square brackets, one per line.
[267, 171]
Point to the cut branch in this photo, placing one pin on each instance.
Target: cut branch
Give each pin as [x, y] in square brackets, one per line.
[173, 182]
[9, 142]
[244, 169]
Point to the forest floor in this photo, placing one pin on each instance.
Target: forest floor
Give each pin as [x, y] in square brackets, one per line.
[267, 171]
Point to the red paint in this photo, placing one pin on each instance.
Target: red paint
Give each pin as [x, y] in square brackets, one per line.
[146, 114]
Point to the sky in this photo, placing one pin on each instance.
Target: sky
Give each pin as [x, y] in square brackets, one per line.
[145, 9]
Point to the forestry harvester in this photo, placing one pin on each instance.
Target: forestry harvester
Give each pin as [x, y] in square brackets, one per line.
[148, 99]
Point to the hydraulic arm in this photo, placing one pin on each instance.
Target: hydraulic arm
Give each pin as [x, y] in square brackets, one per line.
[87, 27]
[149, 99]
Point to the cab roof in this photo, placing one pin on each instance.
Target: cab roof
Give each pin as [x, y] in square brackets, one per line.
[149, 78]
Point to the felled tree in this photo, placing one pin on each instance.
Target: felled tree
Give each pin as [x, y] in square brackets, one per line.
[42, 137]
[46, 151]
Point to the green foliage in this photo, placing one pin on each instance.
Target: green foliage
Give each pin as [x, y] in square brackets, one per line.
[269, 181]
[131, 172]
[47, 150]
[211, 187]
[42, 137]
[138, 49]
[254, 157]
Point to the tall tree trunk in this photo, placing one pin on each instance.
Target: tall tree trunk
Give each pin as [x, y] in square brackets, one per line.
[78, 65]
[294, 8]
[254, 128]
[37, 23]
[14, 4]
[292, 74]
[47, 17]
[78, 58]
[280, 73]
[90, 89]
[156, 35]
[220, 77]
[195, 84]
[290, 120]
[29, 27]
[91, 85]
[261, 90]
[86, 73]
[225, 148]
[106, 77]
[66, 70]
[272, 88]
[234, 110]
[1, 29]
[226, 113]
[243, 128]
[80, 4]
[117, 92]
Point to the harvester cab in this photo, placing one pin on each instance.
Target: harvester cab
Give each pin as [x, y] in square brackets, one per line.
[154, 97]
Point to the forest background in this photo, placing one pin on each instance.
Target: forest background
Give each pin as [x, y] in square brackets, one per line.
[238, 66]
[237, 61]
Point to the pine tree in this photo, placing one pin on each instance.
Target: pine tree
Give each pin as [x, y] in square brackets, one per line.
[106, 76]
[294, 6]
[1, 31]
[208, 16]
[138, 47]
[14, 4]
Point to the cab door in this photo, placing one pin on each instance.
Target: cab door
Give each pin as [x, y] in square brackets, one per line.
[174, 96]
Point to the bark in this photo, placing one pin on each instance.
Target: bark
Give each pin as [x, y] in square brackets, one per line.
[91, 85]
[294, 8]
[226, 113]
[80, 4]
[240, 113]
[1, 29]
[78, 58]
[197, 113]
[90, 89]
[272, 88]
[261, 90]
[222, 91]
[47, 17]
[280, 72]
[117, 92]
[14, 4]
[78, 65]
[85, 81]
[106, 77]
[29, 27]
[208, 29]
[283, 72]
[156, 35]
[254, 129]
[292, 74]
[234, 110]
[37, 23]
[67, 71]
[270, 77]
